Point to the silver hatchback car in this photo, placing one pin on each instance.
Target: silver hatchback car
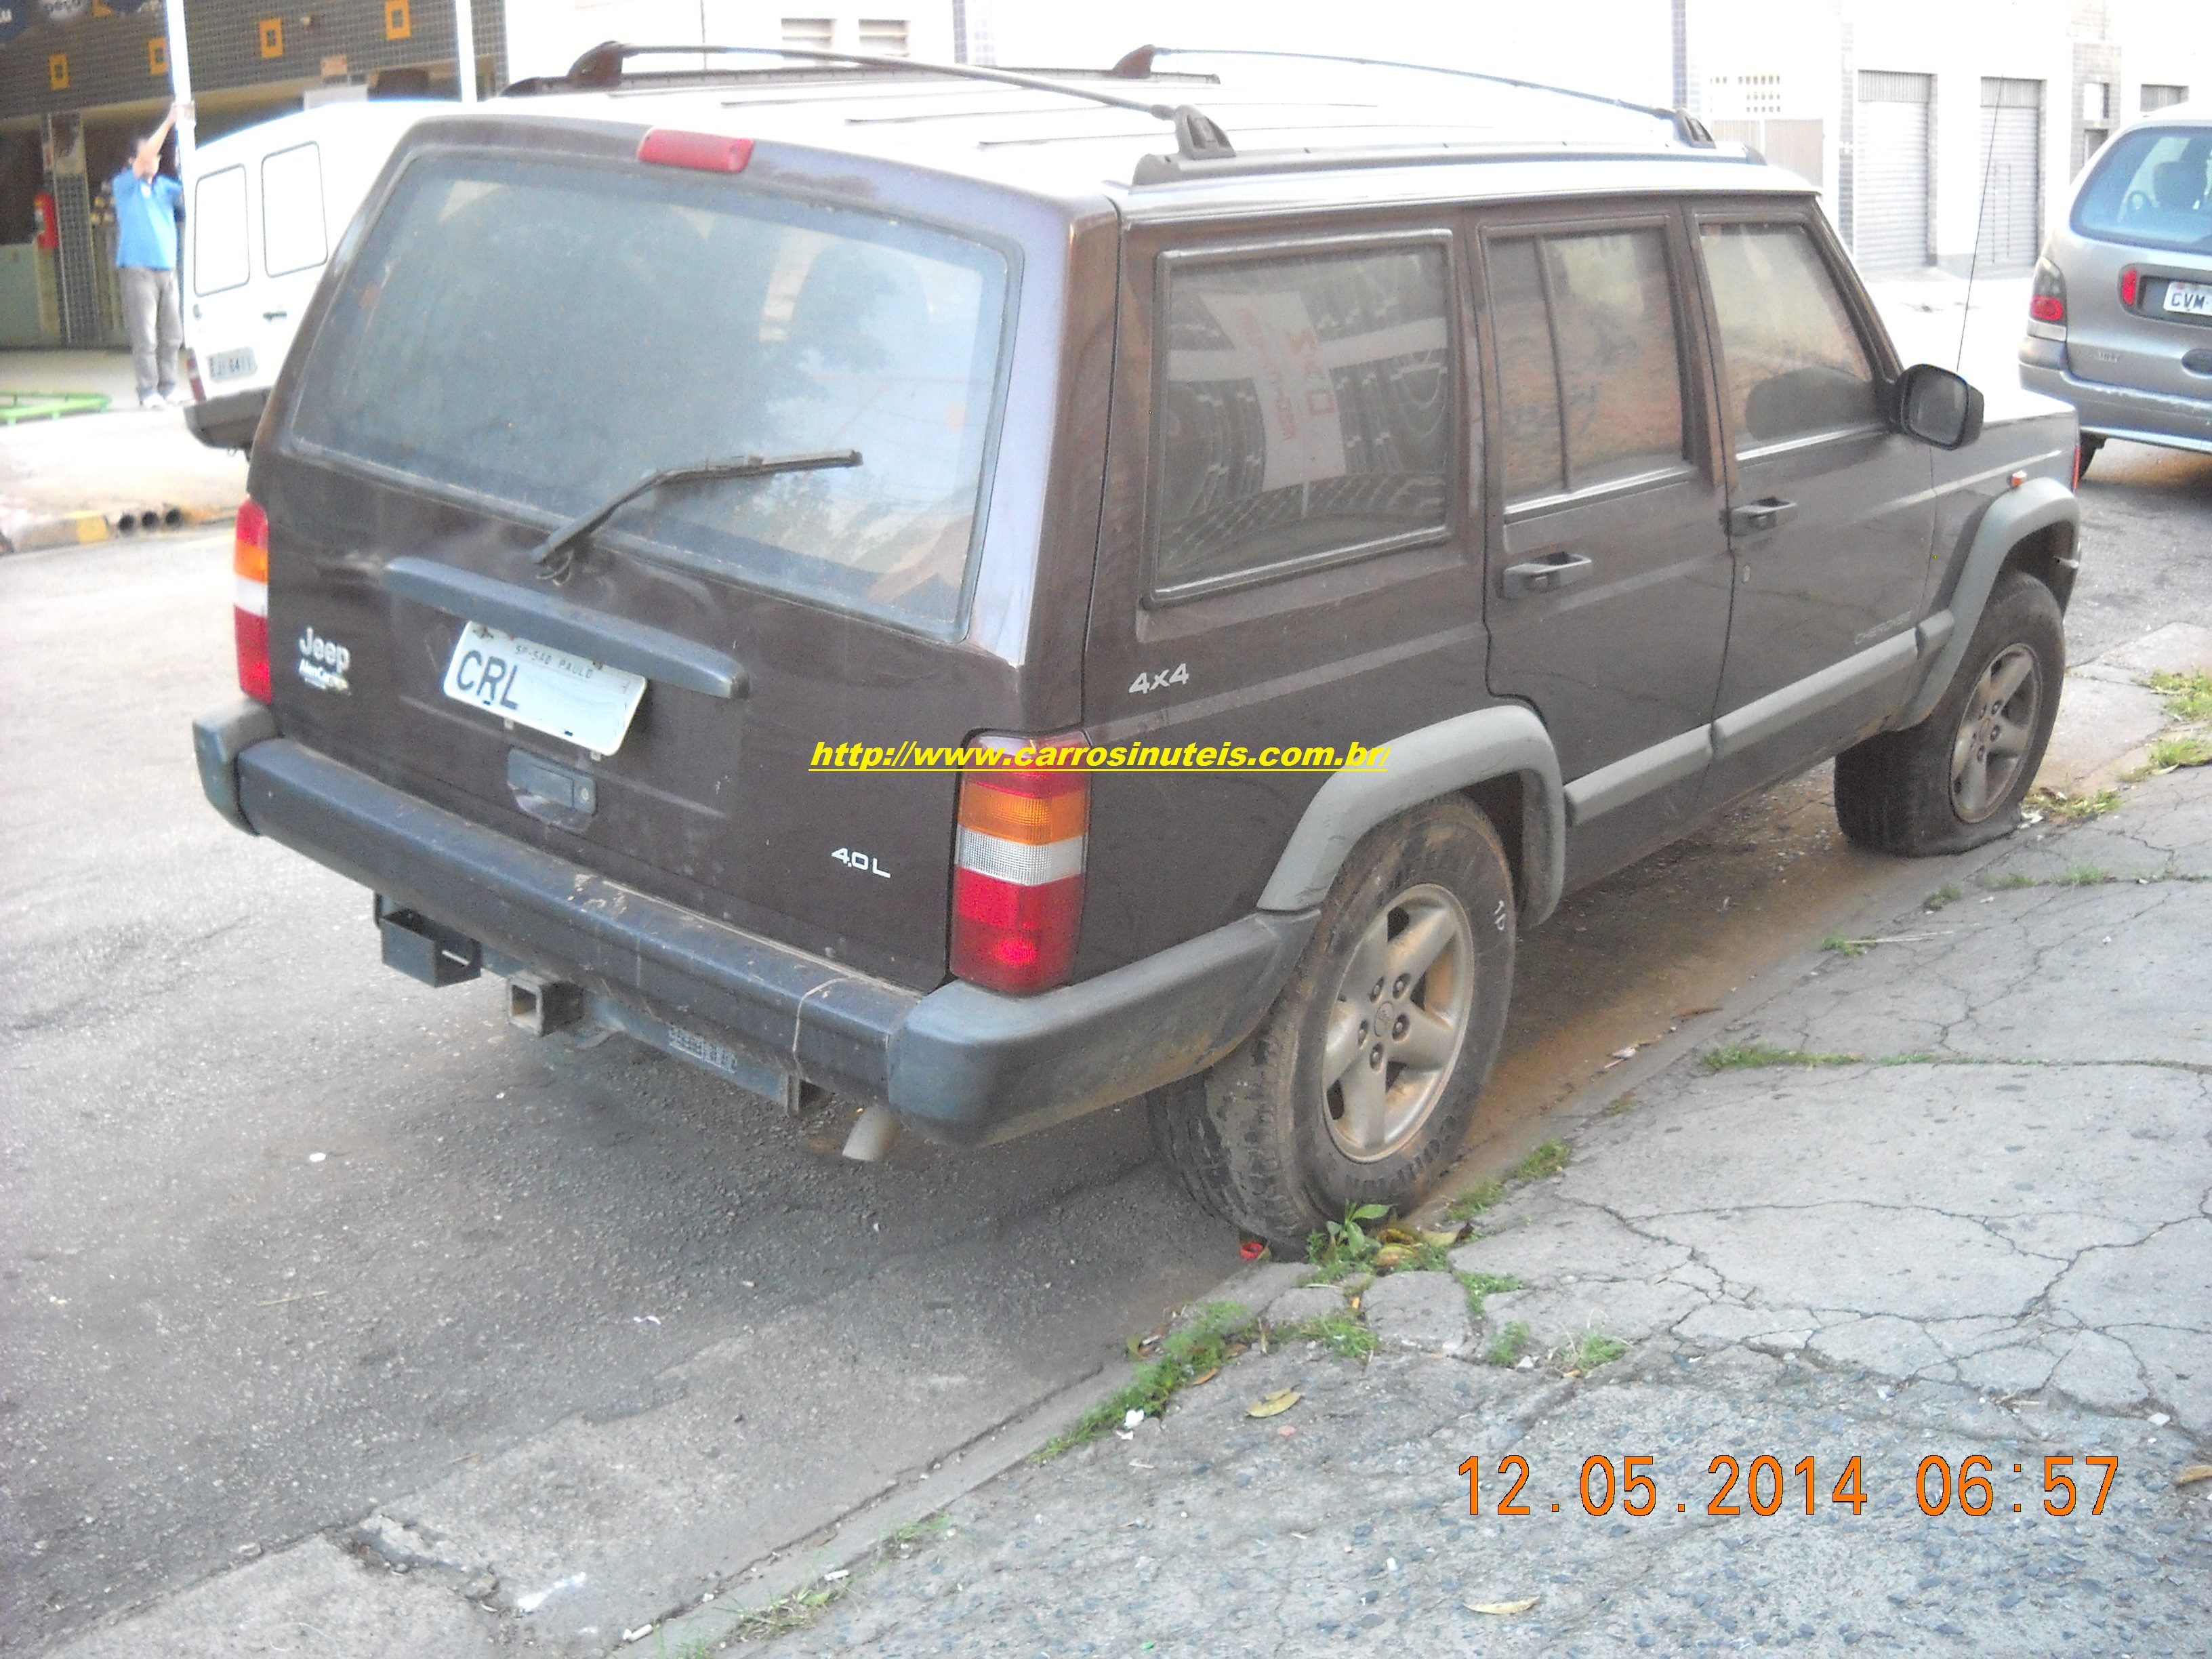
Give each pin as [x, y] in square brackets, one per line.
[2120, 320]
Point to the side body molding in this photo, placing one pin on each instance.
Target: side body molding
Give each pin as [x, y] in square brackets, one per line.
[1453, 754]
[2036, 504]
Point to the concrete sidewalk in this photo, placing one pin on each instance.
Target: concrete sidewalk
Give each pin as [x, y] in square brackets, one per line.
[1944, 1195]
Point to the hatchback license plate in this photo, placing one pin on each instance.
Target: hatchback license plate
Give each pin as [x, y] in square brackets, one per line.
[547, 690]
[230, 365]
[2195, 298]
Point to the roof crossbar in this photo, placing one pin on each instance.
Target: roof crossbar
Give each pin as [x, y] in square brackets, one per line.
[1138, 65]
[1198, 137]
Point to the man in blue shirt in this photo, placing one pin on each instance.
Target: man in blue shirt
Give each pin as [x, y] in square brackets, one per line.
[146, 214]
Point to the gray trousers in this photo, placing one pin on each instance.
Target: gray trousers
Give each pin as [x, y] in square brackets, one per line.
[157, 333]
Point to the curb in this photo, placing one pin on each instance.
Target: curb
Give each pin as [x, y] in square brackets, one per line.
[82, 529]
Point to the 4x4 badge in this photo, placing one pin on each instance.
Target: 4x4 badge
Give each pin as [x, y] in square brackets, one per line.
[1179, 675]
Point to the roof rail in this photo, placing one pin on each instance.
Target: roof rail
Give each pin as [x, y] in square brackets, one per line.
[1138, 65]
[1199, 136]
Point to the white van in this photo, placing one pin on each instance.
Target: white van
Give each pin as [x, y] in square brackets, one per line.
[267, 205]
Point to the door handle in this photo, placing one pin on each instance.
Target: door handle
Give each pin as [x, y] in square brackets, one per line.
[1756, 518]
[1546, 575]
[272, 316]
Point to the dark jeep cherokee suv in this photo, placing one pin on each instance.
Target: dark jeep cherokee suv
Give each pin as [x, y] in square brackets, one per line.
[652, 436]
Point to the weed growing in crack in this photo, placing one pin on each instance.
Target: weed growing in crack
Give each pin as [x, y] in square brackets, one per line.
[2188, 696]
[1547, 1159]
[2086, 875]
[2171, 754]
[1751, 1056]
[1341, 1333]
[1202, 1347]
[1480, 1285]
[903, 1541]
[1948, 893]
[2005, 884]
[1585, 1352]
[2062, 808]
[1843, 946]
[1625, 1103]
[1346, 1246]
[788, 1612]
[1489, 1191]
[1512, 1342]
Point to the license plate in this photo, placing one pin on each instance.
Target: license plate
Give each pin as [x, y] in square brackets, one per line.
[547, 690]
[2195, 298]
[230, 365]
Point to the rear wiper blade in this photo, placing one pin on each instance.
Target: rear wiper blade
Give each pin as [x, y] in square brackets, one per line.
[556, 555]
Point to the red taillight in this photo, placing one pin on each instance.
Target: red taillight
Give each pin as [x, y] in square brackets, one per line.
[249, 567]
[708, 152]
[2047, 303]
[2047, 308]
[192, 375]
[1017, 870]
[2131, 285]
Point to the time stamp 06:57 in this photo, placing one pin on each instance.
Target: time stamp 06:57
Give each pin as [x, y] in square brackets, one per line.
[1969, 1486]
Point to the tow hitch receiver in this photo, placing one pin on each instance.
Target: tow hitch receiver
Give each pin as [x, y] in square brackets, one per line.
[426, 950]
[539, 1006]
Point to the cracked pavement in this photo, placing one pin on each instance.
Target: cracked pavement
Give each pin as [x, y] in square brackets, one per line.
[1982, 1225]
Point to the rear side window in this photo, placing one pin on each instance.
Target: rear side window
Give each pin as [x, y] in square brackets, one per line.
[1303, 413]
[542, 334]
[2152, 187]
[218, 221]
[1795, 364]
[1588, 362]
[294, 236]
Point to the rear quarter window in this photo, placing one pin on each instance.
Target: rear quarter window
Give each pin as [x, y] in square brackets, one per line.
[218, 238]
[2151, 188]
[542, 334]
[295, 235]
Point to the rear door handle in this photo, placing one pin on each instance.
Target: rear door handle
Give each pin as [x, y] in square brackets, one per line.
[1544, 575]
[273, 316]
[1756, 518]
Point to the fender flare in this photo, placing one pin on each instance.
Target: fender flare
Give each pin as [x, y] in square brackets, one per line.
[1421, 767]
[2011, 518]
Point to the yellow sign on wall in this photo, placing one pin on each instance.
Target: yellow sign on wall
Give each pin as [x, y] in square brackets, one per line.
[397, 25]
[157, 56]
[57, 71]
[272, 37]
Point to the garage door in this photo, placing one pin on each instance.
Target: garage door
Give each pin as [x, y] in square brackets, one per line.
[1889, 212]
[2012, 160]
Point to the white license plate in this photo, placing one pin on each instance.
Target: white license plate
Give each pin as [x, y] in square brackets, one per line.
[230, 365]
[547, 690]
[2195, 298]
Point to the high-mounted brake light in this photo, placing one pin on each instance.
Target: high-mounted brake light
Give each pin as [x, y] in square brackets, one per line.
[1018, 870]
[249, 565]
[708, 152]
[2047, 304]
[2131, 285]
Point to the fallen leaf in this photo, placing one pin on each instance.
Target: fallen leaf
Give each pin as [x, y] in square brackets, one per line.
[1392, 1255]
[2193, 1473]
[1502, 1608]
[1273, 1405]
[1629, 1053]
[1443, 1237]
[1204, 1376]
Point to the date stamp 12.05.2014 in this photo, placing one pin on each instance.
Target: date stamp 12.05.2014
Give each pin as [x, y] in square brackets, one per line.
[1768, 1485]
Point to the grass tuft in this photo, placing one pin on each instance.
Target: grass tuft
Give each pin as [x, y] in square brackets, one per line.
[2062, 808]
[2170, 754]
[2003, 884]
[1203, 1345]
[1341, 1333]
[1489, 1191]
[2188, 696]
[1751, 1056]
[1547, 1159]
[1480, 1285]
[2086, 875]
[1843, 946]
[1587, 1351]
[1947, 893]
[788, 1613]
[1512, 1342]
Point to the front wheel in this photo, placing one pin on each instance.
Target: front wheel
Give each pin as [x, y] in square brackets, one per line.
[1360, 1082]
[1958, 778]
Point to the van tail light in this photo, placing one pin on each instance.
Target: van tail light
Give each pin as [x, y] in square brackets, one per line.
[192, 375]
[2131, 285]
[1017, 869]
[249, 565]
[2047, 303]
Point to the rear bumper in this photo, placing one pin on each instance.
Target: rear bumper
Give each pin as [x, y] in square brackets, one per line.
[228, 422]
[960, 1065]
[2118, 412]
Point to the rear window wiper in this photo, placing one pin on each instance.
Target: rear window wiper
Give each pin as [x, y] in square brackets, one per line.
[555, 556]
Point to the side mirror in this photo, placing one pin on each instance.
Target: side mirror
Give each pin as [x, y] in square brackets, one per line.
[1937, 407]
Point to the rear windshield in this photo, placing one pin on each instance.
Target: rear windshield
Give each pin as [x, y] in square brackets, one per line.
[2152, 187]
[543, 333]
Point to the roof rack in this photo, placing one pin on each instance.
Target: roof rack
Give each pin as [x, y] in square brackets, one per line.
[1137, 66]
[1198, 137]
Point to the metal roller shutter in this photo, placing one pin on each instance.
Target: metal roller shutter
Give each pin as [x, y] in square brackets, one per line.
[2012, 161]
[1890, 201]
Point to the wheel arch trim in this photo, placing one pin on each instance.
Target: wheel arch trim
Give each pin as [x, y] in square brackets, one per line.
[2011, 519]
[1423, 766]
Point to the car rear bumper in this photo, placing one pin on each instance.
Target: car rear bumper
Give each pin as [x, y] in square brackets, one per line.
[2118, 412]
[959, 1064]
[228, 422]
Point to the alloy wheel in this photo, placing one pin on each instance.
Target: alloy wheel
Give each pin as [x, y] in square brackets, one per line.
[1994, 731]
[1398, 1023]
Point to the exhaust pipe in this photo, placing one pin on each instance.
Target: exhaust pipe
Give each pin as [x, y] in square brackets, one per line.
[870, 1141]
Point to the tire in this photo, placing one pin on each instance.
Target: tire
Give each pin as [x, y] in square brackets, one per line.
[1957, 779]
[2090, 446]
[1269, 1140]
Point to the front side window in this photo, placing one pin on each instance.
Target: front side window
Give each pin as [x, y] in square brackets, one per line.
[2153, 187]
[544, 332]
[1303, 413]
[1795, 365]
[1588, 362]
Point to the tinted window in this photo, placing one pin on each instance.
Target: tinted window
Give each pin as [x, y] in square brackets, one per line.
[293, 236]
[1590, 365]
[1305, 413]
[545, 332]
[218, 221]
[1795, 363]
[2153, 186]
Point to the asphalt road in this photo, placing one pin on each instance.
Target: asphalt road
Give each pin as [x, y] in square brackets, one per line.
[284, 1234]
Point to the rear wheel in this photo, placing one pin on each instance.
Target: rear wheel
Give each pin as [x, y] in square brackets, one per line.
[1958, 778]
[2084, 454]
[1360, 1082]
